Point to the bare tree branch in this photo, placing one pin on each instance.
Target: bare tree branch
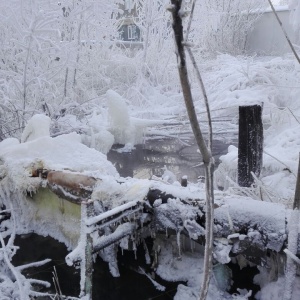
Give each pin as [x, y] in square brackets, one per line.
[177, 14]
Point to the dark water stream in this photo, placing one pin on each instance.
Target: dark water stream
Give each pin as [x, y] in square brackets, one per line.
[150, 158]
[131, 285]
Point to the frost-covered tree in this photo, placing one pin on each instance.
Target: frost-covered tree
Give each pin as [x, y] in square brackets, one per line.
[29, 48]
[50, 56]
[226, 23]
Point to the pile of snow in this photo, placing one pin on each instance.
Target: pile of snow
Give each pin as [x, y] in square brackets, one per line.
[65, 152]
[189, 268]
[275, 290]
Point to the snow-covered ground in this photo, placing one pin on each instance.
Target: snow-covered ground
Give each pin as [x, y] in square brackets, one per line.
[230, 81]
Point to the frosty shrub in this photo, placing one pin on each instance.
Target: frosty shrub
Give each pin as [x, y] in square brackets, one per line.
[226, 24]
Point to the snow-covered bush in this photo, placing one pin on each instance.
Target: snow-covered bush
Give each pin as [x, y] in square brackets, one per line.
[223, 25]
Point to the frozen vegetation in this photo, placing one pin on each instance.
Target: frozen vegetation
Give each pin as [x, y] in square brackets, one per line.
[67, 97]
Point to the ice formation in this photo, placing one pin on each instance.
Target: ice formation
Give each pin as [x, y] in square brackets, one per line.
[38, 126]
[97, 136]
[121, 125]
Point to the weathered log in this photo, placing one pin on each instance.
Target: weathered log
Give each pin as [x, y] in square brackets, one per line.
[73, 187]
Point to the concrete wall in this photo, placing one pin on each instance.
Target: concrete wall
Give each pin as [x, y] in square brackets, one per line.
[267, 37]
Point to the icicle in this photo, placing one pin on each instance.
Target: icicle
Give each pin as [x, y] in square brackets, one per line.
[179, 244]
[191, 245]
[147, 255]
[167, 232]
[135, 254]
[156, 284]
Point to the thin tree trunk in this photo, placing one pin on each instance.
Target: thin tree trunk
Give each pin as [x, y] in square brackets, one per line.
[291, 267]
[78, 51]
[148, 24]
[206, 153]
[66, 82]
[25, 80]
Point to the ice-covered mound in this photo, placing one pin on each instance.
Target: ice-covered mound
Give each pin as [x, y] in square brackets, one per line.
[65, 152]
[43, 212]
[37, 126]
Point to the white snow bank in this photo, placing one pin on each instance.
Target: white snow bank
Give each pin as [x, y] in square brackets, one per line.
[188, 268]
[268, 218]
[275, 290]
[65, 152]
[233, 81]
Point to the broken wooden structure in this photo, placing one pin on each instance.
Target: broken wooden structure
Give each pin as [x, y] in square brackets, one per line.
[249, 228]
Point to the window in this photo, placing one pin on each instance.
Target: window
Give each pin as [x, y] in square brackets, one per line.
[131, 32]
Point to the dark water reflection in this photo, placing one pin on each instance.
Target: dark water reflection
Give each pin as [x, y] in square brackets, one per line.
[130, 286]
[150, 158]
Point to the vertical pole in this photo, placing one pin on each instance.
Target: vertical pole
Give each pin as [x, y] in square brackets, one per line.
[296, 204]
[86, 281]
[184, 181]
[250, 144]
[293, 229]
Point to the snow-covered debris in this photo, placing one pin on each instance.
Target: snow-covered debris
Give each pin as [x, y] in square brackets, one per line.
[267, 217]
[221, 251]
[62, 153]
